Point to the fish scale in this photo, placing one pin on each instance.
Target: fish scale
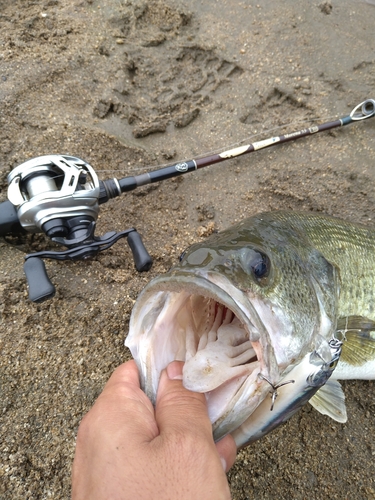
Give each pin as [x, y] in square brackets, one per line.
[351, 248]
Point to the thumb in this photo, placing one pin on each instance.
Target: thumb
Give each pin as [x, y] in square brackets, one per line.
[184, 412]
[178, 409]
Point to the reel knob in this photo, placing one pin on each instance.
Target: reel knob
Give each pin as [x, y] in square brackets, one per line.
[40, 286]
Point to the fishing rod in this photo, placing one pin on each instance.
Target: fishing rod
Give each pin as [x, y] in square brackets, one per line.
[59, 195]
[365, 109]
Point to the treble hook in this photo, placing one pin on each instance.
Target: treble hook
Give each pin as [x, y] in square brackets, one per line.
[274, 388]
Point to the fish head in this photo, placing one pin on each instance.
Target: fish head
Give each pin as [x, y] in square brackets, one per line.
[240, 309]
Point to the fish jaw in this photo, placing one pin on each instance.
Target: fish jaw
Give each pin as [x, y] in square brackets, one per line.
[216, 332]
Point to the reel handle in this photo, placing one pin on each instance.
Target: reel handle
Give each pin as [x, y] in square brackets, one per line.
[142, 259]
[9, 222]
[40, 286]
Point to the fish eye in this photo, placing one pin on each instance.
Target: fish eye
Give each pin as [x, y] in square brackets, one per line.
[260, 267]
[256, 263]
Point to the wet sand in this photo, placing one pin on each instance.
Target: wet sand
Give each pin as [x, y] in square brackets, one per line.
[129, 85]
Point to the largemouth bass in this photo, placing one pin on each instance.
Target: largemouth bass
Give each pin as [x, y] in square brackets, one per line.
[267, 315]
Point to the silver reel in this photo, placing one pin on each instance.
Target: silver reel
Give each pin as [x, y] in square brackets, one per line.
[50, 190]
[60, 196]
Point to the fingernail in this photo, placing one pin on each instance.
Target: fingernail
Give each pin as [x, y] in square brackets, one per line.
[223, 463]
[174, 370]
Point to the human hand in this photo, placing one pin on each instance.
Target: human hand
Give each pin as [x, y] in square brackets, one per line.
[126, 449]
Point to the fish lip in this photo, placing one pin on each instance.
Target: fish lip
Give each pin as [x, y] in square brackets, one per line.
[198, 283]
[149, 320]
[183, 281]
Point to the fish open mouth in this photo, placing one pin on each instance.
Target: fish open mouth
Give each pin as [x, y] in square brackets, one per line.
[212, 329]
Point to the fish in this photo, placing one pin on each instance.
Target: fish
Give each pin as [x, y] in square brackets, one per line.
[267, 316]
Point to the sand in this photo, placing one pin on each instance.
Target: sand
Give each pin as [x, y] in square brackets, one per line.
[129, 85]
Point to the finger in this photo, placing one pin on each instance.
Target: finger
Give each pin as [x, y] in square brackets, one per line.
[124, 385]
[178, 409]
[125, 374]
[227, 450]
[123, 405]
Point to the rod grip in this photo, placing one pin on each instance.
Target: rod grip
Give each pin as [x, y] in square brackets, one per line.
[9, 222]
[40, 286]
[142, 259]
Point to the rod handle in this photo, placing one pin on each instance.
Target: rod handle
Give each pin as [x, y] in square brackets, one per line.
[9, 222]
[142, 259]
[40, 286]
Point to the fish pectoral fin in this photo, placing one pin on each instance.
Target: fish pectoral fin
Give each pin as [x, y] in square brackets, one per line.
[359, 345]
[330, 400]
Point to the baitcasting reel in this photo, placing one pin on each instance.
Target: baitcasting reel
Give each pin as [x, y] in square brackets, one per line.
[60, 196]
